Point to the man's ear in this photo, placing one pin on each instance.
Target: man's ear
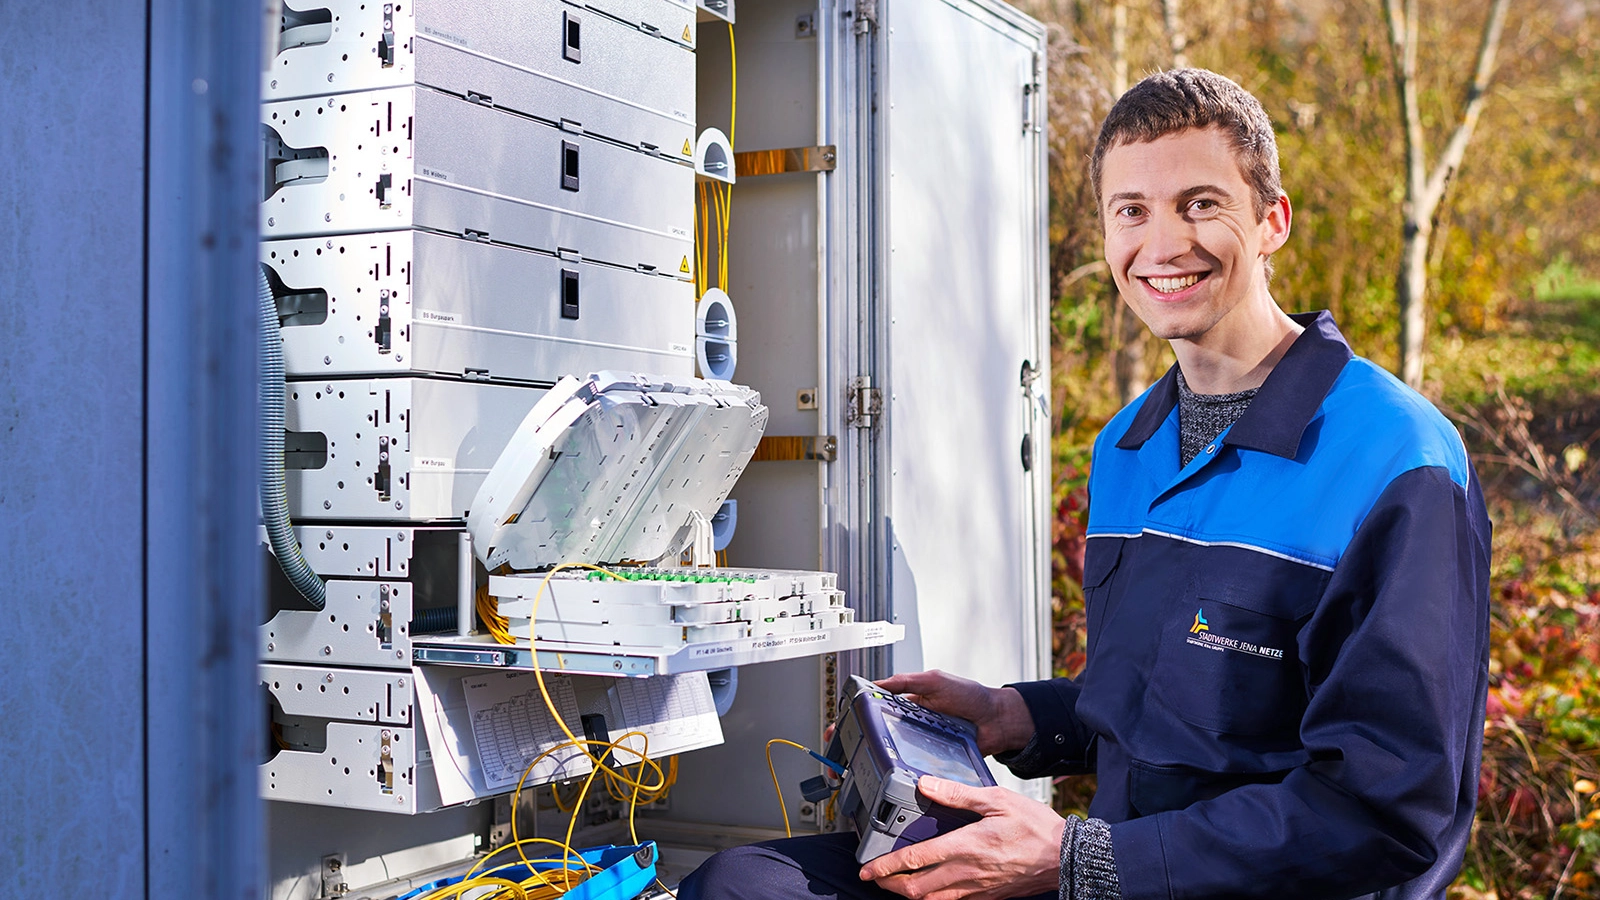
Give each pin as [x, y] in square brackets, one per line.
[1275, 225]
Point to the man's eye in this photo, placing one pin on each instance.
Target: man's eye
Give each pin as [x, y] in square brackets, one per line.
[1128, 212]
[1203, 205]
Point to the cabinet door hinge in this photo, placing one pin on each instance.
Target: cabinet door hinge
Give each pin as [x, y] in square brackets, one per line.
[866, 16]
[864, 404]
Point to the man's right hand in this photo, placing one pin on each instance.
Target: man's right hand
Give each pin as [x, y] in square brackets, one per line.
[1003, 720]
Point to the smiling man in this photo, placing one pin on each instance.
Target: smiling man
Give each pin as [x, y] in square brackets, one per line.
[1286, 586]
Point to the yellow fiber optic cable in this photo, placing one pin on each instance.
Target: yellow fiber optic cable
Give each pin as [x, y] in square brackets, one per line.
[774, 772]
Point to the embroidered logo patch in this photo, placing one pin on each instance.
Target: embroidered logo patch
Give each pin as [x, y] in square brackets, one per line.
[1201, 635]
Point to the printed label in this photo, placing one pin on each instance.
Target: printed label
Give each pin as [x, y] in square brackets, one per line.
[435, 174]
[719, 650]
[875, 631]
[767, 643]
[677, 348]
[431, 462]
[445, 36]
[429, 315]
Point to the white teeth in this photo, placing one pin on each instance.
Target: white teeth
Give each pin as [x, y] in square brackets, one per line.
[1171, 285]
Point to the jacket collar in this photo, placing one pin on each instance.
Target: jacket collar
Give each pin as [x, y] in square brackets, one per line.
[1283, 406]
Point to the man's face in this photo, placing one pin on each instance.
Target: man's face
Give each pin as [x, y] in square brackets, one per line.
[1181, 235]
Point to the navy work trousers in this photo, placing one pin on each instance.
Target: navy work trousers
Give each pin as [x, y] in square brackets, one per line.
[801, 868]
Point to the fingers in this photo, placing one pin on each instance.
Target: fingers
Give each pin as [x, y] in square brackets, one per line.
[1013, 850]
[907, 682]
[906, 860]
[954, 794]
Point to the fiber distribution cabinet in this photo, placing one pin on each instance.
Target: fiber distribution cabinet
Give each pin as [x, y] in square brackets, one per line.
[503, 239]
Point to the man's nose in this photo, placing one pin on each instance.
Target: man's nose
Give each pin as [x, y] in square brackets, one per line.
[1168, 236]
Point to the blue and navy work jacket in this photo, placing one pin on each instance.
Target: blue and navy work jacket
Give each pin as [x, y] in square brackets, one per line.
[1287, 641]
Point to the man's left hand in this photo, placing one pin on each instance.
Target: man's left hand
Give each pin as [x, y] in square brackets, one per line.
[1013, 851]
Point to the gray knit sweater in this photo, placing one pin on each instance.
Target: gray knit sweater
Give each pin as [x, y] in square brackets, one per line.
[1201, 417]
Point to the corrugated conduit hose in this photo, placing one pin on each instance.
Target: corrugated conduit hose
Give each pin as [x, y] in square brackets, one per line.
[274, 493]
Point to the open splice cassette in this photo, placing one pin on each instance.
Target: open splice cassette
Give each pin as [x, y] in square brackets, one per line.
[601, 490]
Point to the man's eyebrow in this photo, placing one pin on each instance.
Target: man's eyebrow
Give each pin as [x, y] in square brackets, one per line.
[1185, 194]
[1200, 189]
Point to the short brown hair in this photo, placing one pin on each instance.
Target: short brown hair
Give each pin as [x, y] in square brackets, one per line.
[1169, 102]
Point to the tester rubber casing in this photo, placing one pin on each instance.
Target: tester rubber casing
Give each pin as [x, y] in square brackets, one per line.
[886, 743]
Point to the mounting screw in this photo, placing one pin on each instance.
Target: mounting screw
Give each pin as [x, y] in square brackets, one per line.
[330, 243]
[274, 84]
[328, 535]
[328, 678]
[397, 505]
[327, 217]
[401, 683]
[271, 221]
[327, 650]
[399, 654]
[805, 398]
[327, 360]
[327, 504]
[271, 646]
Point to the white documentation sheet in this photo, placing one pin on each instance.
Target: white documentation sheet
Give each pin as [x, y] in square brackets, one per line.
[512, 726]
[675, 712]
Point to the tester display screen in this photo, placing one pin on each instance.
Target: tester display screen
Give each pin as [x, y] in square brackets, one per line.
[930, 752]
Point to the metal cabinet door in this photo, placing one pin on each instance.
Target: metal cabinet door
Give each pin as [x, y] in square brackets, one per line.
[961, 323]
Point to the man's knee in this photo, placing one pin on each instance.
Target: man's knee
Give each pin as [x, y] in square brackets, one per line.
[726, 875]
[803, 868]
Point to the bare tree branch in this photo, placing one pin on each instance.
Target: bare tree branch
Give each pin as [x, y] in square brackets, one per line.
[1477, 92]
[1092, 268]
[1423, 192]
[1119, 48]
[1177, 39]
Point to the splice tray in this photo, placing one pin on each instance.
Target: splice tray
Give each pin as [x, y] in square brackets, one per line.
[617, 472]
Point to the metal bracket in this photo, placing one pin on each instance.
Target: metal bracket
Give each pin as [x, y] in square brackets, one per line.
[461, 657]
[864, 404]
[500, 828]
[783, 161]
[333, 883]
[779, 448]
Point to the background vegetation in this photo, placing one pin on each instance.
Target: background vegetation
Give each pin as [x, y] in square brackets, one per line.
[1513, 349]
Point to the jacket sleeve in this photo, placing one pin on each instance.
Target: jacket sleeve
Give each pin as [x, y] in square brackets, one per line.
[1061, 744]
[1395, 658]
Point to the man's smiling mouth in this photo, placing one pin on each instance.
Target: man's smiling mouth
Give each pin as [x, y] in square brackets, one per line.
[1173, 285]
